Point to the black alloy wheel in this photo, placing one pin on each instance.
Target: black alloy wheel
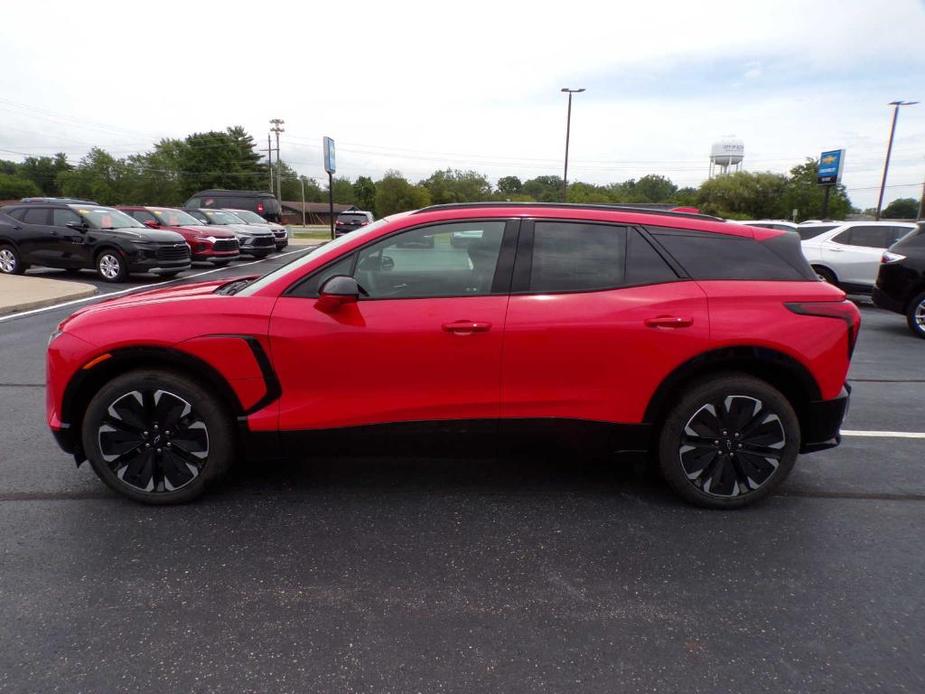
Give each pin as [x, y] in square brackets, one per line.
[729, 442]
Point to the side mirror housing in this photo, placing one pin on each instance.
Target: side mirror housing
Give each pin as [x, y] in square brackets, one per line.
[151, 223]
[339, 290]
[77, 226]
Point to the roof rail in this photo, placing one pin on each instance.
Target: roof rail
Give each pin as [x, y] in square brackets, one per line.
[570, 205]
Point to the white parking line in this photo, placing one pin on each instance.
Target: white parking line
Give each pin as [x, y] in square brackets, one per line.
[885, 434]
[140, 288]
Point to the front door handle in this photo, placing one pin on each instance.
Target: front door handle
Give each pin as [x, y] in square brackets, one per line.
[466, 327]
[669, 322]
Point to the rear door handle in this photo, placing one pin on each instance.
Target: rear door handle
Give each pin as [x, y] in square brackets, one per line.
[669, 322]
[466, 327]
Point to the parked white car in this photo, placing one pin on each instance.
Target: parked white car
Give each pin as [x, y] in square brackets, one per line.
[848, 255]
[781, 224]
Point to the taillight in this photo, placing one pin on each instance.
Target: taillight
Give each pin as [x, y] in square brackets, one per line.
[259, 207]
[890, 257]
[843, 310]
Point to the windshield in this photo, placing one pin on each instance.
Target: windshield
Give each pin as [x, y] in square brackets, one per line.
[327, 249]
[106, 218]
[250, 217]
[174, 218]
[222, 217]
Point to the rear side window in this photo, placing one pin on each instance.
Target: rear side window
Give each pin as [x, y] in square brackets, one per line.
[36, 215]
[713, 256]
[869, 237]
[574, 257]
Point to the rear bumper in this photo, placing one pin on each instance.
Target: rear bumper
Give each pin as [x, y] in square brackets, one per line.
[884, 300]
[822, 420]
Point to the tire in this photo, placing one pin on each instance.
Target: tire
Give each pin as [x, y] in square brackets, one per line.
[826, 275]
[111, 266]
[10, 261]
[157, 437]
[699, 454]
[915, 316]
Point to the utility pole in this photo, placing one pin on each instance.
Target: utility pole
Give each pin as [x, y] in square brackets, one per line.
[302, 185]
[568, 129]
[889, 149]
[921, 214]
[277, 128]
[270, 160]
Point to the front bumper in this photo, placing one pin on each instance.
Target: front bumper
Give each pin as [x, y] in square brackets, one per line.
[821, 422]
[158, 267]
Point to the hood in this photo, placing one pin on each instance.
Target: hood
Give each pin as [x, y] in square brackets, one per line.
[146, 234]
[216, 230]
[251, 229]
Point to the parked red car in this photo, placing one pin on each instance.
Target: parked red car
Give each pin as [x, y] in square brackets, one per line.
[710, 345]
[213, 244]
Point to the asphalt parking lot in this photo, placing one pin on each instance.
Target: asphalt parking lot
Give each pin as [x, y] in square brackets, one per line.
[560, 574]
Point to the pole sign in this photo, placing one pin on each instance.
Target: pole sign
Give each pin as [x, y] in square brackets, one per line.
[329, 164]
[830, 167]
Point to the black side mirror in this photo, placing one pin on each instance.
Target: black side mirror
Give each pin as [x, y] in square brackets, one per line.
[339, 290]
[77, 226]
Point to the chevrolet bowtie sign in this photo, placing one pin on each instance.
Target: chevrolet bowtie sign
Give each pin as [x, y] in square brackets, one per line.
[830, 167]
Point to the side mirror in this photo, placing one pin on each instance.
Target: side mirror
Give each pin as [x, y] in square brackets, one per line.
[77, 226]
[339, 290]
[151, 223]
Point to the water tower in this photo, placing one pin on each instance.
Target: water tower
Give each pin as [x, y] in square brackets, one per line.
[726, 154]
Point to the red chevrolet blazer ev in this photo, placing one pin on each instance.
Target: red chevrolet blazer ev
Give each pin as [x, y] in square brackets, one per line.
[712, 346]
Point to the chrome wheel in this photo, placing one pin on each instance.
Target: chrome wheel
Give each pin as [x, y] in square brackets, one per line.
[7, 261]
[918, 316]
[109, 266]
[732, 447]
[153, 441]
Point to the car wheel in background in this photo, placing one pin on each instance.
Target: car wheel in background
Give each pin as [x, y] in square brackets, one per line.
[157, 437]
[110, 266]
[915, 316]
[10, 261]
[825, 275]
[730, 441]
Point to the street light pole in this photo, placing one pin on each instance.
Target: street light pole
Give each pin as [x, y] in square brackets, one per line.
[889, 149]
[302, 184]
[568, 130]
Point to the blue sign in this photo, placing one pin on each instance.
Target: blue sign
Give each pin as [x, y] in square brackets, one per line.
[329, 164]
[830, 167]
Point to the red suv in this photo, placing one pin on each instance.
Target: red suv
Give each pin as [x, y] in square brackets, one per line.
[710, 345]
[216, 245]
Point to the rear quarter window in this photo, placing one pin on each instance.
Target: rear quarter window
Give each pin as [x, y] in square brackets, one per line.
[714, 256]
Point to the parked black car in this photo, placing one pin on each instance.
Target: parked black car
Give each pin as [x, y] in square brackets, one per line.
[76, 236]
[901, 280]
[263, 203]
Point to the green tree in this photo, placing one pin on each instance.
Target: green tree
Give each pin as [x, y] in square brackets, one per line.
[43, 171]
[99, 176]
[685, 197]
[343, 191]
[803, 194]
[649, 188]
[222, 160]
[544, 188]
[744, 195]
[901, 208]
[12, 187]
[394, 193]
[453, 185]
[292, 189]
[364, 193]
[510, 185]
[587, 193]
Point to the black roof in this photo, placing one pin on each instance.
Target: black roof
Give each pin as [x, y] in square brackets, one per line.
[237, 193]
[571, 206]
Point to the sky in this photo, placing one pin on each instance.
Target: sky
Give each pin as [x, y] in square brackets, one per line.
[476, 85]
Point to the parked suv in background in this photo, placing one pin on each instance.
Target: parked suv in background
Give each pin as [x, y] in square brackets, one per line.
[848, 255]
[711, 346]
[901, 280]
[213, 244]
[257, 241]
[263, 203]
[280, 233]
[351, 221]
[779, 224]
[77, 236]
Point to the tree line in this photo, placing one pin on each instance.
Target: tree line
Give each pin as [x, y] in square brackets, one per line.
[176, 168]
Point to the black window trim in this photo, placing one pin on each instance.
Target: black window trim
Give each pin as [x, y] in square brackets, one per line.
[523, 262]
[501, 281]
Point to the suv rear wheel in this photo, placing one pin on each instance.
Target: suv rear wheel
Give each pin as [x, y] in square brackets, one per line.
[10, 261]
[915, 315]
[730, 441]
[157, 437]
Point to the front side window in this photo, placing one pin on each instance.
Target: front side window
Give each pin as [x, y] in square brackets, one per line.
[250, 217]
[574, 257]
[174, 218]
[456, 259]
[221, 217]
[61, 218]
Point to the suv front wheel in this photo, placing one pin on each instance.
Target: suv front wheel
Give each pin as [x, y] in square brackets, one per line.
[110, 266]
[915, 316]
[730, 441]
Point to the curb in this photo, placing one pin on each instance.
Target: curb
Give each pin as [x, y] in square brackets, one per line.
[73, 290]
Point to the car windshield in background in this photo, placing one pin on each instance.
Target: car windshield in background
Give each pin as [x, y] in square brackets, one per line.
[175, 218]
[250, 217]
[217, 217]
[106, 218]
[813, 231]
